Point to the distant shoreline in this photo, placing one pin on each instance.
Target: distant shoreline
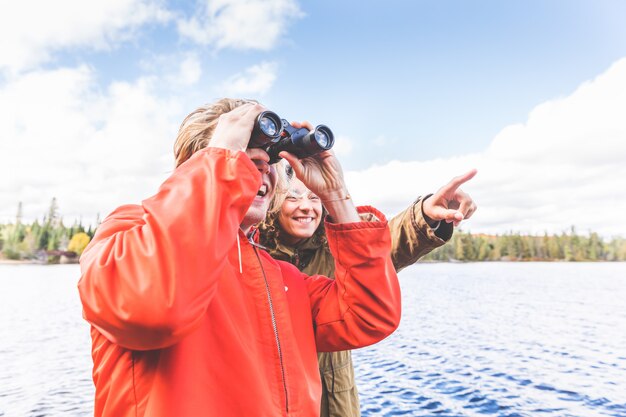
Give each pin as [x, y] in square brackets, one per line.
[32, 262]
[20, 262]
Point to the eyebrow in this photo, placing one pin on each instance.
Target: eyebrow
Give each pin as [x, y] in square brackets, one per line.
[293, 193]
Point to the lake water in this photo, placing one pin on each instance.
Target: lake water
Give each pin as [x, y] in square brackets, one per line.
[502, 339]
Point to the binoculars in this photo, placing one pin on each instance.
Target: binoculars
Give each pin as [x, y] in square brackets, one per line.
[274, 135]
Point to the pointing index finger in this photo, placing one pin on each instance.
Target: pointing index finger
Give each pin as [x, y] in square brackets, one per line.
[456, 182]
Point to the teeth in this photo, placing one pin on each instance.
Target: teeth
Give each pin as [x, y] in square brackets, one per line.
[304, 219]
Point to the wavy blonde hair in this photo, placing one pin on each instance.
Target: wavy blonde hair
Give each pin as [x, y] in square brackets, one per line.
[197, 129]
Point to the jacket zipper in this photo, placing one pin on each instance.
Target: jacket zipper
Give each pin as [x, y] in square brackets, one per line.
[275, 327]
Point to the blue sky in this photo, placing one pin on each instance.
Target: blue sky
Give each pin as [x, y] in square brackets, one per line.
[422, 89]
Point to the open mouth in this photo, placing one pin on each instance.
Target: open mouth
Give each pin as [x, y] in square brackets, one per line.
[262, 191]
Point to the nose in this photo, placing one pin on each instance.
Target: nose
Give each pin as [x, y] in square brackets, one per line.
[305, 204]
[262, 166]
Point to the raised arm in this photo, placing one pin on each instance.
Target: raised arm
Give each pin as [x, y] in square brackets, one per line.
[152, 269]
[362, 305]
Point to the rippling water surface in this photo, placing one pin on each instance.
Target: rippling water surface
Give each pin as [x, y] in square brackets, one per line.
[518, 339]
[45, 349]
[502, 339]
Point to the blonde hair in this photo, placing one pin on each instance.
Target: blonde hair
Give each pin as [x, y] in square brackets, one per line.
[197, 129]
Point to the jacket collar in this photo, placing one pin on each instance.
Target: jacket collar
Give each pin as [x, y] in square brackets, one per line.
[310, 244]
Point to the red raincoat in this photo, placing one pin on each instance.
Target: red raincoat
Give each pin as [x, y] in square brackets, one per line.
[191, 319]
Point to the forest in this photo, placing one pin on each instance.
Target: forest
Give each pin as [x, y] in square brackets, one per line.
[50, 240]
[47, 240]
[567, 246]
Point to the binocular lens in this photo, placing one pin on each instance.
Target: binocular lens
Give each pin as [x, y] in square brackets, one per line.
[322, 138]
[275, 135]
[268, 126]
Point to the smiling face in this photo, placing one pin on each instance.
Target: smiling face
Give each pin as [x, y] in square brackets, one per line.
[300, 214]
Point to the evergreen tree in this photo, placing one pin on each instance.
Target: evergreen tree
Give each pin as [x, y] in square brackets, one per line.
[595, 247]
[44, 238]
[484, 250]
[459, 250]
[53, 212]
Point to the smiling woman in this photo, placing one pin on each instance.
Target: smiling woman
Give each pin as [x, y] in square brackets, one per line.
[293, 231]
[300, 213]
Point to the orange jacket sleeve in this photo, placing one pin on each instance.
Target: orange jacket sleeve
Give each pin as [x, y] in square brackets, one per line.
[362, 305]
[152, 269]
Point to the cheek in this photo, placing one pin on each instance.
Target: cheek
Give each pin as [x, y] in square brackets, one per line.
[318, 214]
[273, 176]
[283, 217]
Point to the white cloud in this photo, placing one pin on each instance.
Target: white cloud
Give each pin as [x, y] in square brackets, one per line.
[190, 70]
[241, 24]
[96, 149]
[92, 150]
[179, 70]
[564, 166]
[55, 25]
[256, 80]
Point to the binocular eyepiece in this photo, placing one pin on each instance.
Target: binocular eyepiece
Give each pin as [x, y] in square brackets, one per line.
[274, 135]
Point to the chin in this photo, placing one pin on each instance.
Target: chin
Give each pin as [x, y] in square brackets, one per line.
[305, 234]
[254, 215]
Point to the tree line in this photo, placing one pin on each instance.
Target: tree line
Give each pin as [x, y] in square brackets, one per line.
[567, 246]
[45, 240]
[48, 239]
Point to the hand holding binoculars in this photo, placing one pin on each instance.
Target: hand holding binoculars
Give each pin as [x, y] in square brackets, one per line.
[274, 135]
